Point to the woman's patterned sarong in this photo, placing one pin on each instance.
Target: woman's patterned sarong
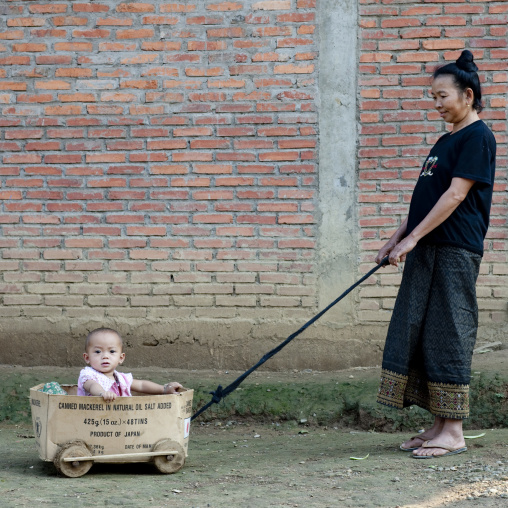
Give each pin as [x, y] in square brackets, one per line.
[432, 333]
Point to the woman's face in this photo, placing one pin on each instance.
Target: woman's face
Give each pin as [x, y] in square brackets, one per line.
[453, 105]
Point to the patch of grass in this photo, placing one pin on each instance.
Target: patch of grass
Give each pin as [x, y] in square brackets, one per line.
[320, 403]
[14, 395]
[347, 404]
[489, 401]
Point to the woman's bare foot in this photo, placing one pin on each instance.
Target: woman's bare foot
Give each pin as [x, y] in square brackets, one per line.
[417, 441]
[449, 439]
[427, 435]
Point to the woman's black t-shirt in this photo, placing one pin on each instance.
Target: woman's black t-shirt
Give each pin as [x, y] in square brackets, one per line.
[469, 153]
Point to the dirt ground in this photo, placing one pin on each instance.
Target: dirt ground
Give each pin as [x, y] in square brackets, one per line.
[268, 464]
[231, 464]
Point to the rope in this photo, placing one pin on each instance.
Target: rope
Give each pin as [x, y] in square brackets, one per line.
[220, 392]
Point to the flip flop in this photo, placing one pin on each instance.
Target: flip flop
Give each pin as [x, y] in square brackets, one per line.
[451, 451]
[414, 447]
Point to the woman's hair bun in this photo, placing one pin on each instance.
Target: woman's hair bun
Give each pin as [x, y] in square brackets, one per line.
[465, 61]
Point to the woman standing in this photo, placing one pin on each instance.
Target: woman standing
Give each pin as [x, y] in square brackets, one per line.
[429, 347]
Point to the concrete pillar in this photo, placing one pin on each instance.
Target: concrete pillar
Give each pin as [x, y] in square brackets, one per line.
[338, 233]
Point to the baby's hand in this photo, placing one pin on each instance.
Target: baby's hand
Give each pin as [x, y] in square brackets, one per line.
[108, 396]
[172, 387]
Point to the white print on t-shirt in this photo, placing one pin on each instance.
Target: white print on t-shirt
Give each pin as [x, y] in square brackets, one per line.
[430, 164]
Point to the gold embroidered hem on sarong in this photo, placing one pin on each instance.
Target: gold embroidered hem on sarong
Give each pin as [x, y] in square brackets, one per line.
[441, 399]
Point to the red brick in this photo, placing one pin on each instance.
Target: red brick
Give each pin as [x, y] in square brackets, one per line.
[15, 60]
[206, 45]
[11, 85]
[10, 195]
[489, 43]
[190, 231]
[443, 44]
[192, 131]
[419, 56]
[10, 171]
[235, 70]
[204, 20]
[233, 181]
[169, 219]
[420, 33]
[114, 22]
[401, 69]
[10, 35]
[26, 22]
[376, 57]
[379, 104]
[399, 22]
[212, 218]
[142, 33]
[293, 69]
[446, 20]
[160, 20]
[233, 32]
[62, 158]
[227, 83]
[464, 32]
[161, 46]
[401, 140]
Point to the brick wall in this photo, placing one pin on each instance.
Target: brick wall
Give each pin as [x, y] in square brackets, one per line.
[159, 165]
[157, 154]
[401, 44]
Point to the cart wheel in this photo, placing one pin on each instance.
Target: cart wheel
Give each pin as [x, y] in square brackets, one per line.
[73, 449]
[169, 463]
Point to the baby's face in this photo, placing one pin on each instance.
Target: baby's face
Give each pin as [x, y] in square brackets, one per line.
[104, 353]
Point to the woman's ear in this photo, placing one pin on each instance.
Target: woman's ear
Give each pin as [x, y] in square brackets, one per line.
[469, 95]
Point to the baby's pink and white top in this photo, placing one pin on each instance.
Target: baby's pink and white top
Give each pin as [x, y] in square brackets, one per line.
[122, 385]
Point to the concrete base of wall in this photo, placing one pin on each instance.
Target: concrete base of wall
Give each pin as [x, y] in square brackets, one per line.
[202, 344]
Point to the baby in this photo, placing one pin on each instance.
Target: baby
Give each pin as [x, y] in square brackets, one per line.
[104, 352]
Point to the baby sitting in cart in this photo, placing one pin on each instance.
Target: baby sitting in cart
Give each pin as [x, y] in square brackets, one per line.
[103, 353]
